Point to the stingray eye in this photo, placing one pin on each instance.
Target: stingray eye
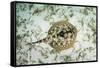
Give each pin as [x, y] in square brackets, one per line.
[61, 34]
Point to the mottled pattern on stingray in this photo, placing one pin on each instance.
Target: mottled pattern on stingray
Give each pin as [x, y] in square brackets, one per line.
[60, 36]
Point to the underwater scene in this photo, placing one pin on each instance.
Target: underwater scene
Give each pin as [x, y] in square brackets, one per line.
[48, 33]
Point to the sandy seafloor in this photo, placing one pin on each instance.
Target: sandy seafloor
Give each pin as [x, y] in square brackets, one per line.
[33, 22]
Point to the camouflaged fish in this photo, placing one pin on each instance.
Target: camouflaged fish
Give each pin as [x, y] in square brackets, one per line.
[60, 36]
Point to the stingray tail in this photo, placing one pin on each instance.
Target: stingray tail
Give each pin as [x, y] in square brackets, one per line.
[39, 41]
